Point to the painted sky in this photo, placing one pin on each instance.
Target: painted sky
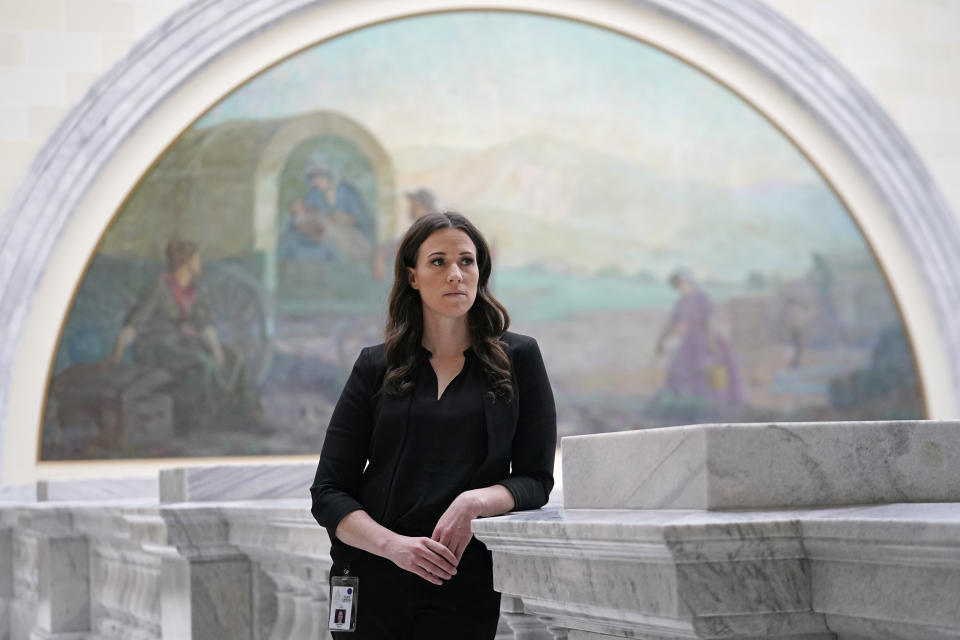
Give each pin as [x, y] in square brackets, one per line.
[698, 176]
[475, 79]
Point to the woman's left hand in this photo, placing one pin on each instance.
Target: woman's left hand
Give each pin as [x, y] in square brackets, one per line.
[453, 528]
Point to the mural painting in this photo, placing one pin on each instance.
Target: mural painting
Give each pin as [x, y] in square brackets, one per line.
[676, 257]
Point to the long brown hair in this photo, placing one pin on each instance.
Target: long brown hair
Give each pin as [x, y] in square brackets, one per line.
[487, 319]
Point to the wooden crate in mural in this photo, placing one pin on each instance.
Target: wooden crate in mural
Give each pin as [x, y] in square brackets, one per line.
[124, 407]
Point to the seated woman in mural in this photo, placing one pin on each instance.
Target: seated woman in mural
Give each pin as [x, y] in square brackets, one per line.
[451, 419]
[171, 327]
[702, 366]
[330, 223]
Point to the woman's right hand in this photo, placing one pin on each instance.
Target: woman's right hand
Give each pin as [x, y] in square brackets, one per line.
[425, 557]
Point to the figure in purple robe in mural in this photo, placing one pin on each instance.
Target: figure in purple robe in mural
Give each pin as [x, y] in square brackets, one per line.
[702, 366]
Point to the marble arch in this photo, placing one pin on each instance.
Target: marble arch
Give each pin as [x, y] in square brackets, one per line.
[743, 43]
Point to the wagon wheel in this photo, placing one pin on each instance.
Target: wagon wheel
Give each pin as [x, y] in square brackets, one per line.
[241, 316]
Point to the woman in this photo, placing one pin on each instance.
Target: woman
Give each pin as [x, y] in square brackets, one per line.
[451, 419]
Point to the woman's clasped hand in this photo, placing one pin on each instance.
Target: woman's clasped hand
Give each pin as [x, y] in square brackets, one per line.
[425, 557]
[438, 556]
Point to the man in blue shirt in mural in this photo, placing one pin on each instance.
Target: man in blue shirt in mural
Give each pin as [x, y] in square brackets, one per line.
[330, 223]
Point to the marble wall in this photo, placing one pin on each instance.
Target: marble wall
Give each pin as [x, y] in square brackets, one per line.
[51, 53]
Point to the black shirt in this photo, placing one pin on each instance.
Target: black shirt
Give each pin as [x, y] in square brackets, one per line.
[359, 465]
[445, 444]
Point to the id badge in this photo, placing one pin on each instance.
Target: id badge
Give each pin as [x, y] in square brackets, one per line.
[343, 603]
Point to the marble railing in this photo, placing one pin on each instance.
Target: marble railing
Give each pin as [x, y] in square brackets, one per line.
[198, 553]
[846, 531]
[793, 531]
[143, 570]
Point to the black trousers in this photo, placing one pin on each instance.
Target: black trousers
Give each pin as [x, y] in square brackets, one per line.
[393, 604]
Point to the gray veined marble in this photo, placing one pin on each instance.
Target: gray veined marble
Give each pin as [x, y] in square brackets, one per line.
[885, 571]
[230, 483]
[206, 599]
[257, 568]
[141, 570]
[63, 576]
[212, 483]
[749, 466]
[82, 489]
[679, 573]
[102, 489]
[654, 557]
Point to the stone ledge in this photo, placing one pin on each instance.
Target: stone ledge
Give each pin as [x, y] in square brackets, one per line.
[764, 466]
[226, 483]
[883, 571]
[591, 623]
[219, 483]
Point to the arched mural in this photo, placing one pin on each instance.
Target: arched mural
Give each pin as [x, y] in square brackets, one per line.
[677, 258]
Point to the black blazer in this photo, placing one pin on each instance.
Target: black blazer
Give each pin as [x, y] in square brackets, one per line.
[369, 424]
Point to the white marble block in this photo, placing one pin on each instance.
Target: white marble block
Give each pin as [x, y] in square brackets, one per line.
[206, 599]
[64, 578]
[229, 483]
[752, 466]
[97, 489]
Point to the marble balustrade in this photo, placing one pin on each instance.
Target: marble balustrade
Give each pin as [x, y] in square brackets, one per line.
[197, 553]
[141, 570]
[791, 531]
